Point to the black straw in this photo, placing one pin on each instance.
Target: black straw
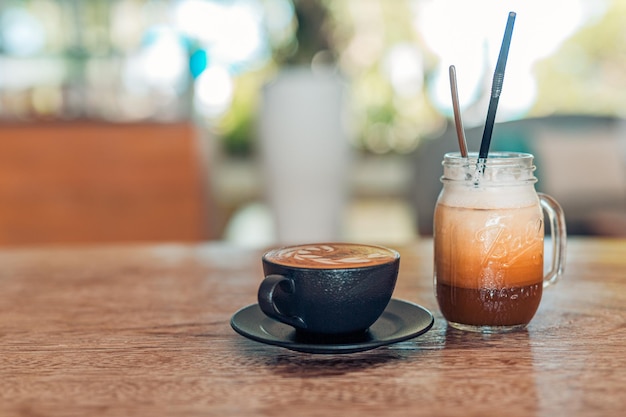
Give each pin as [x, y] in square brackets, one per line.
[496, 87]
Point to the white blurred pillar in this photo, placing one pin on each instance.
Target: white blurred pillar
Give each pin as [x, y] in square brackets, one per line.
[305, 154]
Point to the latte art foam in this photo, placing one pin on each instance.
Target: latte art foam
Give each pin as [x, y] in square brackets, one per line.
[331, 255]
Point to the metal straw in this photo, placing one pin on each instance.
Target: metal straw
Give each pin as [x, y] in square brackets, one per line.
[458, 122]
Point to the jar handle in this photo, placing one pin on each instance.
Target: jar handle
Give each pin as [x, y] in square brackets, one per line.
[558, 233]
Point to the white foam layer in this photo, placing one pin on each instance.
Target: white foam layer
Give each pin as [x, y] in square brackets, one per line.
[481, 197]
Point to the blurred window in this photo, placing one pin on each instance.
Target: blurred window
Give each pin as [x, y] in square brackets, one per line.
[169, 60]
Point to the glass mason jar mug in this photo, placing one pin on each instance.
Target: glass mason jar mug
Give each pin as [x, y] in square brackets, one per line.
[489, 242]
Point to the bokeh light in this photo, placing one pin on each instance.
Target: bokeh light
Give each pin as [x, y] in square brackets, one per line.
[469, 35]
[404, 68]
[161, 62]
[208, 59]
[213, 91]
[22, 33]
[231, 32]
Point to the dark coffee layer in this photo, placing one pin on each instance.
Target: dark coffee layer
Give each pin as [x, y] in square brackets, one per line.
[489, 307]
[331, 255]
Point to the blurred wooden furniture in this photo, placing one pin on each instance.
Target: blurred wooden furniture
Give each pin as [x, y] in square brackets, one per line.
[88, 182]
[143, 330]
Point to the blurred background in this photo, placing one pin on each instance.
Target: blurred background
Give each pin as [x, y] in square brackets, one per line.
[233, 90]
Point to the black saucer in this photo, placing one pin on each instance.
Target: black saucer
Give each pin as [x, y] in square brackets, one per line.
[400, 321]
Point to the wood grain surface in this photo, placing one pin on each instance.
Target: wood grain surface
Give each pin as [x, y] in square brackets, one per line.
[144, 330]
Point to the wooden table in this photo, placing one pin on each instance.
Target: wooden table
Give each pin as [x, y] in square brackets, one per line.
[144, 330]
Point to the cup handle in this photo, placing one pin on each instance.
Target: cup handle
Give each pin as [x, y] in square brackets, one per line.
[558, 233]
[266, 299]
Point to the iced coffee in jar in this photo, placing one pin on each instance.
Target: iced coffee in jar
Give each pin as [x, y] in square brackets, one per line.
[489, 242]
